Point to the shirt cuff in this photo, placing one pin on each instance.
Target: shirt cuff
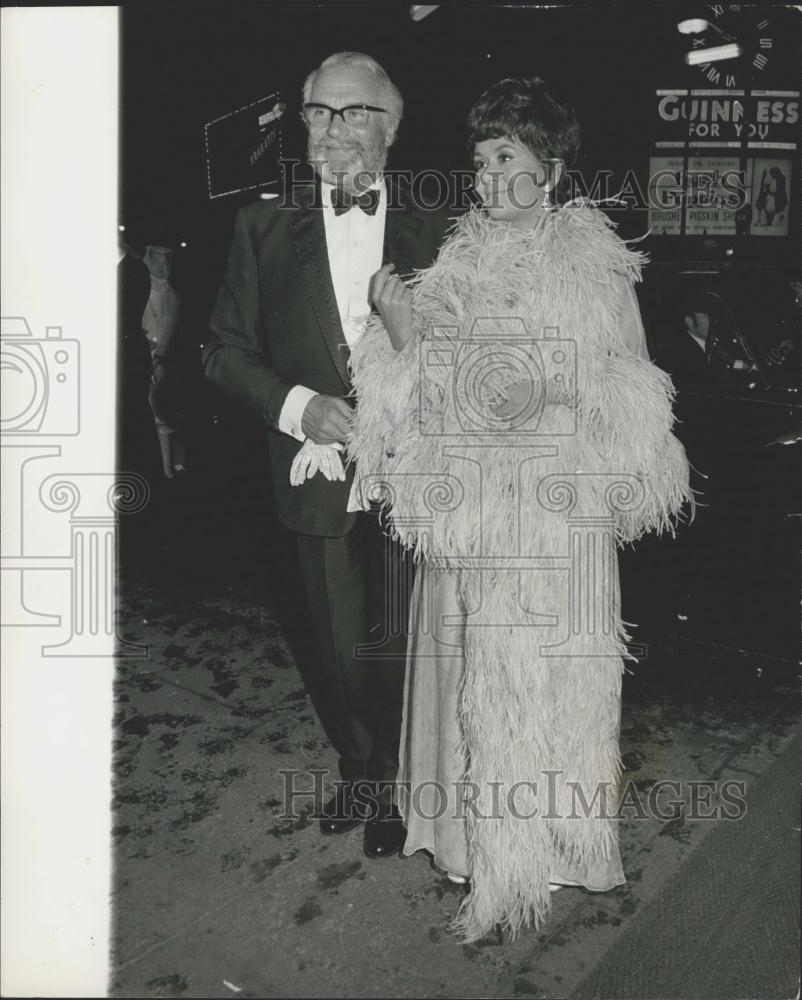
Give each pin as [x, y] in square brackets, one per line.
[289, 420]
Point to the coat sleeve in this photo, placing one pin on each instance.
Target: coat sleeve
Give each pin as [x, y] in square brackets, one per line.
[632, 332]
[387, 387]
[629, 414]
[234, 359]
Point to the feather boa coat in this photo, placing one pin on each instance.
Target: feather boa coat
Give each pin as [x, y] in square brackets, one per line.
[528, 518]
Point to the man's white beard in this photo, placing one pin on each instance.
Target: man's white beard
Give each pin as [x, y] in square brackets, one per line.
[341, 165]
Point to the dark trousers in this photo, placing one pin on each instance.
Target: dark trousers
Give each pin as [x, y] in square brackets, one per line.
[358, 589]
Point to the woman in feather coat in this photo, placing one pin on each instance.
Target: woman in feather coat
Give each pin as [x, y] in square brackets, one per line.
[514, 428]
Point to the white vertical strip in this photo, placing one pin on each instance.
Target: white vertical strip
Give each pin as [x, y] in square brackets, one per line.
[59, 195]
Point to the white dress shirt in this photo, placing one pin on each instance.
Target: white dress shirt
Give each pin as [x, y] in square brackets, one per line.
[354, 243]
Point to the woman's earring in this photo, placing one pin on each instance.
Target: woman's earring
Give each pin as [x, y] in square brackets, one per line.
[550, 192]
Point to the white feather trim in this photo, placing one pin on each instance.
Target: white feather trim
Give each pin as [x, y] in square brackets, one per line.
[595, 464]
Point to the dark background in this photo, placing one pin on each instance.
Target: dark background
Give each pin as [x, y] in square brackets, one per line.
[184, 65]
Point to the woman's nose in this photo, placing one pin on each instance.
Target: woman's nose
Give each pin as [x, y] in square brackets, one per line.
[490, 180]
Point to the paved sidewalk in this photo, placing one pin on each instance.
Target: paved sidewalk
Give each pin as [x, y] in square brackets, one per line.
[217, 896]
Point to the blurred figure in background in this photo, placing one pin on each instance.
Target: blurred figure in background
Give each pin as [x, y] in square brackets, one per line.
[160, 322]
[158, 406]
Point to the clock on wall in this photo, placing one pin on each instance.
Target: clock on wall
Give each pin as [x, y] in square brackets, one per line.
[732, 45]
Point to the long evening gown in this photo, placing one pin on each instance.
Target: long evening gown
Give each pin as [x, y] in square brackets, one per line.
[432, 761]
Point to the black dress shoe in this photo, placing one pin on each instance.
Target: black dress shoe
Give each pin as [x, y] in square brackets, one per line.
[384, 834]
[341, 813]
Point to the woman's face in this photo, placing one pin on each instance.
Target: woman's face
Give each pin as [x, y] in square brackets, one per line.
[511, 181]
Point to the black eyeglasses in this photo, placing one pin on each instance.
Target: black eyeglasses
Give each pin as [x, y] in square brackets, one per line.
[352, 114]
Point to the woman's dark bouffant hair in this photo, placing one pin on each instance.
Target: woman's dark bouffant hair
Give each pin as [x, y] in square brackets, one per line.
[522, 107]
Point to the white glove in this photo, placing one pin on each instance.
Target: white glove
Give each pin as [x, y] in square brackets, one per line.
[313, 458]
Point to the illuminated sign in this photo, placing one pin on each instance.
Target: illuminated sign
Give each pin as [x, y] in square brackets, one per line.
[243, 148]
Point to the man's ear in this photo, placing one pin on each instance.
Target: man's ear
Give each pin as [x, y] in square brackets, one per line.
[390, 130]
[688, 320]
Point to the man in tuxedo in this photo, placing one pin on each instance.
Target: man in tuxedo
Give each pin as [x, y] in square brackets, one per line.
[295, 295]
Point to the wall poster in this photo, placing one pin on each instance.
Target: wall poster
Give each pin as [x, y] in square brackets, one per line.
[769, 183]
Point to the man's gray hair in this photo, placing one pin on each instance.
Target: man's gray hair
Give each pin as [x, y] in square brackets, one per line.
[392, 100]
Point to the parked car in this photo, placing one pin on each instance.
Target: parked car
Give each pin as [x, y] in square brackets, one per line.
[728, 584]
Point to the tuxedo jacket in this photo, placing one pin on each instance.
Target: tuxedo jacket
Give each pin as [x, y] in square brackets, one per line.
[276, 324]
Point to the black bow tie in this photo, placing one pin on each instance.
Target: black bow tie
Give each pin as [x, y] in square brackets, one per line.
[342, 201]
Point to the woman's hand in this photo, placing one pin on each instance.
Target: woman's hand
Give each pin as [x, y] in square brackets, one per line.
[394, 301]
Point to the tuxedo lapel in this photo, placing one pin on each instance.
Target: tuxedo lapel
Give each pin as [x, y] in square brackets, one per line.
[401, 233]
[309, 238]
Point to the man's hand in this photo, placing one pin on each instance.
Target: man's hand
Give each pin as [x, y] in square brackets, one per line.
[394, 301]
[326, 419]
